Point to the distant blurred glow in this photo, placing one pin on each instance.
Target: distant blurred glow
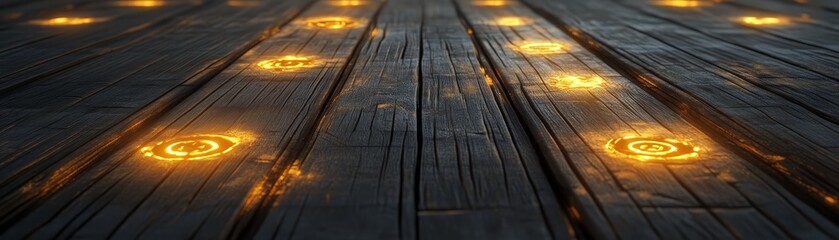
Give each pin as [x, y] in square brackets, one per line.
[763, 20]
[242, 3]
[490, 3]
[140, 3]
[63, 21]
[682, 3]
[511, 21]
[347, 3]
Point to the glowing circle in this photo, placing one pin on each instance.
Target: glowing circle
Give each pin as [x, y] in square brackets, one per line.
[653, 149]
[194, 147]
[543, 47]
[763, 20]
[287, 63]
[63, 21]
[578, 82]
[331, 23]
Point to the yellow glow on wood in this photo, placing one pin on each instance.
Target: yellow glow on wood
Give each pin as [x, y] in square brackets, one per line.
[763, 20]
[511, 21]
[347, 3]
[577, 82]
[490, 3]
[331, 23]
[543, 47]
[652, 149]
[140, 3]
[196, 147]
[682, 3]
[242, 3]
[65, 21]
[286, 63]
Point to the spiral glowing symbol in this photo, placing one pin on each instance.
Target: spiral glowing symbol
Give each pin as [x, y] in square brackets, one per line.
[64, 21]
[331, 23]
[543, 47]
[653, 149]
[194, 147]
[287, 63]
[577, 82]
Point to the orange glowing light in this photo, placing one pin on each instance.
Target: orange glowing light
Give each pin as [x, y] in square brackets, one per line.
[347, 3]
[140, 3]
[763, 20]
[511, 21]
[194, 147]
[653, 149]
[682, 3]
[286, 63]
[331, 23]
[577, 82]
[239, 3]
[490, 3]
[543, 47]
[63, 21]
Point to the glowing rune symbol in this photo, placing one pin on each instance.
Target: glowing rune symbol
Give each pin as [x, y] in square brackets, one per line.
[578, 82]
[286, 63]
[331, 23]
[651, 149]
[543, 47]
[191, 147]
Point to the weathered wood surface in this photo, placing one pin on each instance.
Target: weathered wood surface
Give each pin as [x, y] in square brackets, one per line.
[573, 126]
[796, 141]
[398, 158]
[424, 119]
[54, 128]
[272, 111]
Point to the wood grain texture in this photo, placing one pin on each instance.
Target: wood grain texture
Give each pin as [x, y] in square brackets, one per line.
[55, 129]
[573, 125]
[31, 52]
[355, 179]
[785, 136]
[129, 195]
[798, 72]
[474, 181]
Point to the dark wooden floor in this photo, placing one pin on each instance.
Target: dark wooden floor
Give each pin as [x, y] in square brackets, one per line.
[419, 119]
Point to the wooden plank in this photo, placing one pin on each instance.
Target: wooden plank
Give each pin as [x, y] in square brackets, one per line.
[37, 9]
[129, 195]
[769, 62]
[786, 137]
[356, 178]
[803, 12]
[473, 182]
[54, 130]
[34, 52]
[610, 191]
